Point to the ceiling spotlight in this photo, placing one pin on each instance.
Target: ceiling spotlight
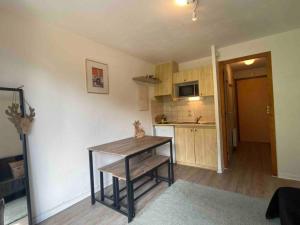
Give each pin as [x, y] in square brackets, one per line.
[249, 62]
[182, 2]
[187, 2]
[194, 18]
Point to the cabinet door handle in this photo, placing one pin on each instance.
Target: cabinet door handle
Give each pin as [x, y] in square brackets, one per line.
[195, 130]
[191, 130]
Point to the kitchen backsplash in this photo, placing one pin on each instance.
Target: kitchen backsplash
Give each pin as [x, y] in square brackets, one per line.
[185, 111]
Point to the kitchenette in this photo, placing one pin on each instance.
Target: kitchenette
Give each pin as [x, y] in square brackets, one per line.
[183, 108]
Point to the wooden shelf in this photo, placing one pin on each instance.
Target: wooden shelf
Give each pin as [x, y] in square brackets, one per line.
[137, 169]
[149, 80]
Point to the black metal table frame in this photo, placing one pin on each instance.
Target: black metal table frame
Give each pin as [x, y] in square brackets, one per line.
[129, 182]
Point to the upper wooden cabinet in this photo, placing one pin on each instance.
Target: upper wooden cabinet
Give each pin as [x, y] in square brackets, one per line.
[164, 72]
[178, 78]
[203, 75]
[206, 82]
[185, 76]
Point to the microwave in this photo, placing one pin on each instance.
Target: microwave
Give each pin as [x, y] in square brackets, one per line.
[188, 89]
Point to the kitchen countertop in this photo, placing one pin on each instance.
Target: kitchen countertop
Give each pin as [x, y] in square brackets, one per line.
[186, 124]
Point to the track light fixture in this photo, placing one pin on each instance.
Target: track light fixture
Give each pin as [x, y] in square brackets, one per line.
[188, 2]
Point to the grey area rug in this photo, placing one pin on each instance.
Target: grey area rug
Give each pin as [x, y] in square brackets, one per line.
[186, 203]
[15, 210]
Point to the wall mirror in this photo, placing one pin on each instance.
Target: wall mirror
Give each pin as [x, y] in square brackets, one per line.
[15, 207]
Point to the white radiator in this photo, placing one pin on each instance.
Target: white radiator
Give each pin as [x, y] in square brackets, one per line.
[234, 137]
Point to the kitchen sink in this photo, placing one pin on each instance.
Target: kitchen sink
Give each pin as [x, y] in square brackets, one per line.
[187, 123]
[204, 122]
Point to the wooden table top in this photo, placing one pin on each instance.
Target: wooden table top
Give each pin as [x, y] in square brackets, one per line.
[130, 146]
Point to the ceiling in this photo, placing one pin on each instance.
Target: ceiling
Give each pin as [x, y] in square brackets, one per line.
[160, 30]
[259, 62]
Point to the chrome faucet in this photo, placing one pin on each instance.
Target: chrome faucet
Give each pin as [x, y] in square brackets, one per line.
[198, 119]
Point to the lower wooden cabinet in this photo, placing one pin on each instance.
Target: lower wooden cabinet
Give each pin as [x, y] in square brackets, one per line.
[184, 142]
[196, 146]
[206, 147]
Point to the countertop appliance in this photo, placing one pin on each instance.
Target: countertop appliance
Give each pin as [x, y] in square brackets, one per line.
[188, 89]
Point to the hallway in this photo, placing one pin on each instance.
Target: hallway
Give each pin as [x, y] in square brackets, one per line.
[251, 165]
[249, 173]
[252, 156]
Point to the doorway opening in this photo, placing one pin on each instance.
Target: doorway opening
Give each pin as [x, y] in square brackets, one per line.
[247, 109]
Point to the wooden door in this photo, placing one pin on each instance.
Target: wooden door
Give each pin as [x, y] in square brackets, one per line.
[164, 72]
[252, 95]
[206, 147]
[200, 144]
[157, 75]
[166, 84]
[164, 76]
[196, 74]
[230, 106]
[186, 76]
[178, 78]
[184, 142]
[206, 82]
[190, 75]
[270, 110]
[210, 135]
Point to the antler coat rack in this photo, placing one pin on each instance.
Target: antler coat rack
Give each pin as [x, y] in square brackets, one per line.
[23, 123]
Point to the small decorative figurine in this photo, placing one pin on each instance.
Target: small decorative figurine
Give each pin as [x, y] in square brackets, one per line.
[139, 131]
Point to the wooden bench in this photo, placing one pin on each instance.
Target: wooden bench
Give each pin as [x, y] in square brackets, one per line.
[137, 169]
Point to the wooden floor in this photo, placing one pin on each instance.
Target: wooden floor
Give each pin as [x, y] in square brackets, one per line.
[23, 221]
[249, 174]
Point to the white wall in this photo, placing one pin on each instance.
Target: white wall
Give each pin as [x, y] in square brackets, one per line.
[285, 49]
[50, 62]
[10, 144]
[193, 64]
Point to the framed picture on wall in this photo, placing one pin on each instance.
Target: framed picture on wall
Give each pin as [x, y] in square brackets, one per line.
[96, 77]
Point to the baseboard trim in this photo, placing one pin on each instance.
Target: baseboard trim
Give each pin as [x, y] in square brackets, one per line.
[220, 170]
[197, 165]
[49, 213]
[288, 176]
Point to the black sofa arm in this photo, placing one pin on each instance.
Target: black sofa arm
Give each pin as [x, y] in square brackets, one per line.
[11, 186]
